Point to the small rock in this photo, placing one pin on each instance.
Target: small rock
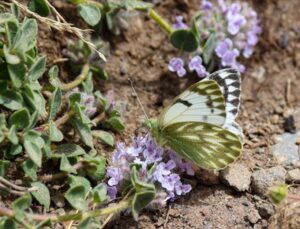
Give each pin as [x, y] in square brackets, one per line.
[293, 176]
[237, 176]
[207, 177]
[275, 119]
[264, 179]
[266, 210]
[253, 217]
[286, 150]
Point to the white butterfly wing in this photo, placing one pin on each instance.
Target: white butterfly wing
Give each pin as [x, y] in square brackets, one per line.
[202, 102]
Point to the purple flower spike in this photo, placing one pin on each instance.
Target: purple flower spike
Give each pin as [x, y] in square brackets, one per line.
[206, 5]
[115, 175]
[177, 65]
[112, 192]
[182, 189]
[179, 23]
[170, 181]
[229, 58]
[196, 64]
[235, 24]
[223, 47]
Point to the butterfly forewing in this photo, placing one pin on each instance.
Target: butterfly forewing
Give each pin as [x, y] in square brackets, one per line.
[202, 102]
[206, 145]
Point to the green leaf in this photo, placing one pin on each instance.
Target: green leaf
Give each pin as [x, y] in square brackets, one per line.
[53, 77]
[6, 17]
[33, 120]
[84, 132]
[20, 205]
[76, 197]
[11, 31]
[15, 10]
[85, 224]
[209, 48]
[88, 85]
[12, 135]
[79, 110]
[74, 98]
[70, 150]
[8, 224]
[66, 166]
[116, 123]
[77, 180]
[55, 134]
[104, 136]
[99, 72]
[184, 40]
[17, 74]
[42, 194]
[37, 69]
[54, 104]
[96, 168]
[40, 7]
[44, 224]
[34, 152]
[26, 36]
[4, 165]
[34, 99]
[140, 201]
[30, 169]
[10, 58]
[139, 185]
[90, 13]
[12, 151]
[11, 99]
[20, 118]
[99, 193]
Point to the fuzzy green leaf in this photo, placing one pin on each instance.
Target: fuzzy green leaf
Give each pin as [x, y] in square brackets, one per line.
[99, 193]
[104, 136]
[10, 58]
[209, 47]
[37, 69]
[6, 17]
[96, 168]
[30, 169]
[17, 74]
[69, 150]
[140, 201]
[90, 13]
[34, 152]
[84, 132]
[12, 135]
[85, 224]
[7, 224]
[76, 197]
[77, 180]
[20, 205]
[42, 194]
[66, 166]
[116, 123]
[11, 99]
[12, 151]
[55, 134]
[54, 104]
[20, 118]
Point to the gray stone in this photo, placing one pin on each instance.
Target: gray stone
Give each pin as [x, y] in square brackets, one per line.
[253, 217]
[237, 176]
[266, 210]
[293, 176]
[264, 179]
[286, 150]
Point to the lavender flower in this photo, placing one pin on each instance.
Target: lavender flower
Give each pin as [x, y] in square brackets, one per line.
[196, 64]
[237, 29]
[112, 192]
[144, 151]
[177, 65]
[179, 23]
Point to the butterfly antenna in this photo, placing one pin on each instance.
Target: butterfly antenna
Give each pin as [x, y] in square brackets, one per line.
[138, 99]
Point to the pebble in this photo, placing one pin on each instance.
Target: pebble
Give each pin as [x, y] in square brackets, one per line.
[286, 150]
[266, 210]
[293, 176]
[264, 179]
[237, 176]
[253, 217]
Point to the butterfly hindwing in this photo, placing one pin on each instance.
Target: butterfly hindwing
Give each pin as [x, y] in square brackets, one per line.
[206, 145]
[202, 102]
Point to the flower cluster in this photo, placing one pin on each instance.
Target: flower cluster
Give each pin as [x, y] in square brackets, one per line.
[195, 64]
[237, 28]
[148, 155]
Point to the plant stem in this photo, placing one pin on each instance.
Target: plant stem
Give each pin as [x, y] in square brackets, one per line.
[294, 197]
[161, 22]
[75, 216]
[60, 175]
[83, 75]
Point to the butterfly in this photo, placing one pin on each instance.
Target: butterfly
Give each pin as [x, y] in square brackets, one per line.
[199, 124]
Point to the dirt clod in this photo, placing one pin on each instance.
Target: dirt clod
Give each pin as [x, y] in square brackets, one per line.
[264, 179]
[293, 176]
[237, 176]
[266, 210]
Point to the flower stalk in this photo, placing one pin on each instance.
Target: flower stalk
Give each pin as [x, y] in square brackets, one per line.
[161, 22]
[83, 75]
